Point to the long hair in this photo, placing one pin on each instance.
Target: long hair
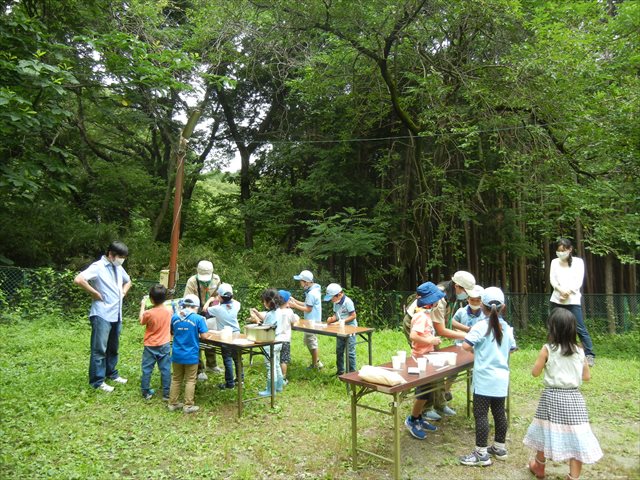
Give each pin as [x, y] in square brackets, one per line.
[272, 299]
[566, 243]
[562, 331]
[493, 312]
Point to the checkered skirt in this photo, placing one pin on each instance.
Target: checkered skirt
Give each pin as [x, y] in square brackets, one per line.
[561, 427]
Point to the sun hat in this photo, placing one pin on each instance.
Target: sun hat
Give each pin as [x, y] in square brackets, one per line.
[465, 280]
[191, 300]
[332, 290]
[225, 290]
[205, 271]
[493, 296]
[476, 292]
[285, 294]
[428, 293]
[305, 275]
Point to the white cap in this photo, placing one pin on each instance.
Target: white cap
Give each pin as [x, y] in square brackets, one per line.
[332, 290]
[305, 275]
[191, 300]
[493, 296]
[225, 290]
[464, 279]
[476, 292]
[205, 271]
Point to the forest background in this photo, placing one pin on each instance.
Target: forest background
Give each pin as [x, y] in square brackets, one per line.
[380, 142]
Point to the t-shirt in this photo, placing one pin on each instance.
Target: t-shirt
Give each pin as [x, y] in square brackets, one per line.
[287, 318]
[226, 315]
[186, 337]
[158, 322]
[312, 298]
[468, 317]
[491, 361]
[422, 325]
[343, 309]
[562, 371]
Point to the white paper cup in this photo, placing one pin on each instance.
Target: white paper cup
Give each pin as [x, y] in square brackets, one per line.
[451, 358]
[422, 364]
[403, 356]
[396, 362]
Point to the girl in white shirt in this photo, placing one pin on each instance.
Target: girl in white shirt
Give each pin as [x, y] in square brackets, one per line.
[566, 277]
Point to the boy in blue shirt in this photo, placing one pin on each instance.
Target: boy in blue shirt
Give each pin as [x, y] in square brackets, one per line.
[187, 327]
[467, 316]
[343, 311]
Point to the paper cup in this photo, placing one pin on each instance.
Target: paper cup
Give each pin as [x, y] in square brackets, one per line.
[451, 358]
[422, 364]
[403, 356]
[396, 362]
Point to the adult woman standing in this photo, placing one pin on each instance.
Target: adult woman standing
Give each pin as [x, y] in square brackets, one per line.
[566, 276]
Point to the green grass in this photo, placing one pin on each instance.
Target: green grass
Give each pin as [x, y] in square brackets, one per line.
[55, 426]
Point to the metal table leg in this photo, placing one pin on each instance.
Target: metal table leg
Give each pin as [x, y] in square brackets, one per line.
[273, 374]
[395, 409]
[238, 355]
[354, 426]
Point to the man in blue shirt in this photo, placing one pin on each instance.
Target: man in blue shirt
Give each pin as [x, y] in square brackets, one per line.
[107, 283]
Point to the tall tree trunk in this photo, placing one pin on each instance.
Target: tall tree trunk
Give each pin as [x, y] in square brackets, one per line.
[608, 286]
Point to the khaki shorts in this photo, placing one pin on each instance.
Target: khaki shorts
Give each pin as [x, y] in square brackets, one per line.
[311, 341]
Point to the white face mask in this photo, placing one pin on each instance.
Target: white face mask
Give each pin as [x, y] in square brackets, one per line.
[562, 255]
[475, 308]
[462, 296]
[118, 261]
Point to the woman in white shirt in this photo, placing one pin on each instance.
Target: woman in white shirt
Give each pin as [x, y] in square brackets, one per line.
[566, 277]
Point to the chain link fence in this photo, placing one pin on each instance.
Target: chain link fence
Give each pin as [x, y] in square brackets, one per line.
[618, 313]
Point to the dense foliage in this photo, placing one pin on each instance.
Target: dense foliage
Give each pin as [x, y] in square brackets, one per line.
[381, 142]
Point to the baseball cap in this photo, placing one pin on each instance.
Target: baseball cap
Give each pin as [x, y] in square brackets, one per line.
[476, 292]
[305, 275]
[493, 296]
[332, 290]
[225, 290]
[205, 271]
[191, 300]
[285, 294]
[465, 280]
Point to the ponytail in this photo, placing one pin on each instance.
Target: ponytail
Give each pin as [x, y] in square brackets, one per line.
[494, 321]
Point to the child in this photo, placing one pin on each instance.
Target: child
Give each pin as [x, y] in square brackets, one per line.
[288, 318]
[312, 308]
[226, 315]
[560, 429]
[157, 346]
[467, 316]
[187, 327]
[423, 341]
[343, 310]
[492, 342]
[272, 301]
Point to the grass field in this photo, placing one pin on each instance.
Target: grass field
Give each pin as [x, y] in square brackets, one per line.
[53, 425]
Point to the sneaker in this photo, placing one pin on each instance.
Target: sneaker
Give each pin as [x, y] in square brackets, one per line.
[591, 360]
[447, 411]
[447, 396]
[432, 415]
[105, 388]
[149, 394]
[415, 428]
[175, 406]
[499, 453]
[285, 381]
[317, 366]
[224, 386]
[202, 377]
[427, 426]
[474, 459]
[191, 409]
[120, 380]
[215, 369]
[165, 399]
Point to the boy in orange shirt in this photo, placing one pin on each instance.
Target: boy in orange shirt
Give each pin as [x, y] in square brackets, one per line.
[157, 336]
[423, 340]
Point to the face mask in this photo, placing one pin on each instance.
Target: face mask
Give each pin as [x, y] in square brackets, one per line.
[118, 261]
[562, 255]
[462, 296]
[475, 308]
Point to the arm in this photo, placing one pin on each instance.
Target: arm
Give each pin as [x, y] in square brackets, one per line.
[428, 340]
[85, 285]
[443, 331]
[459, 326]
[577, 275]
[540, 362]
[256, 315]
[141, 314]
[126, 287]
[467, 346]
[298, 305]
[586, 372]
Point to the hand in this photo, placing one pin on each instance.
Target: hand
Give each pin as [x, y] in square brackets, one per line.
[331, 319]
[96, 296]
[436, 341]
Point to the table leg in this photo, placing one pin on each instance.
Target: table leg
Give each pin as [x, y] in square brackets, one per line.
[395, 409]
[370, 349]
[273, 374]
[239, 379]
[469, 373]
[354, 427]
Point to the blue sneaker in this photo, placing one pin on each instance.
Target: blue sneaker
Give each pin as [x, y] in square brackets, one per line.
[426, 425]
[431, 415]
[415, 428]
[149, 394]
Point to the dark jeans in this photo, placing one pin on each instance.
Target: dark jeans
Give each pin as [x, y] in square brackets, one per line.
[105, 341]
[162, 356]
[229, 367]
[341, 344]
[583, 333]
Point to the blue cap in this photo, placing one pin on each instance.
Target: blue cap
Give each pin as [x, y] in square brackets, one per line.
[285, 294]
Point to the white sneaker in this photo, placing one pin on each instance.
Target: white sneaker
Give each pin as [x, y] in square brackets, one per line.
[202, 377]
[190, 409]
[319, 365]
[121, 380]
[105, 388]
[216, 369]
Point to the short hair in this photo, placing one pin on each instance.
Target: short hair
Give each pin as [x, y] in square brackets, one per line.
[118, 248]
[158, 294]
